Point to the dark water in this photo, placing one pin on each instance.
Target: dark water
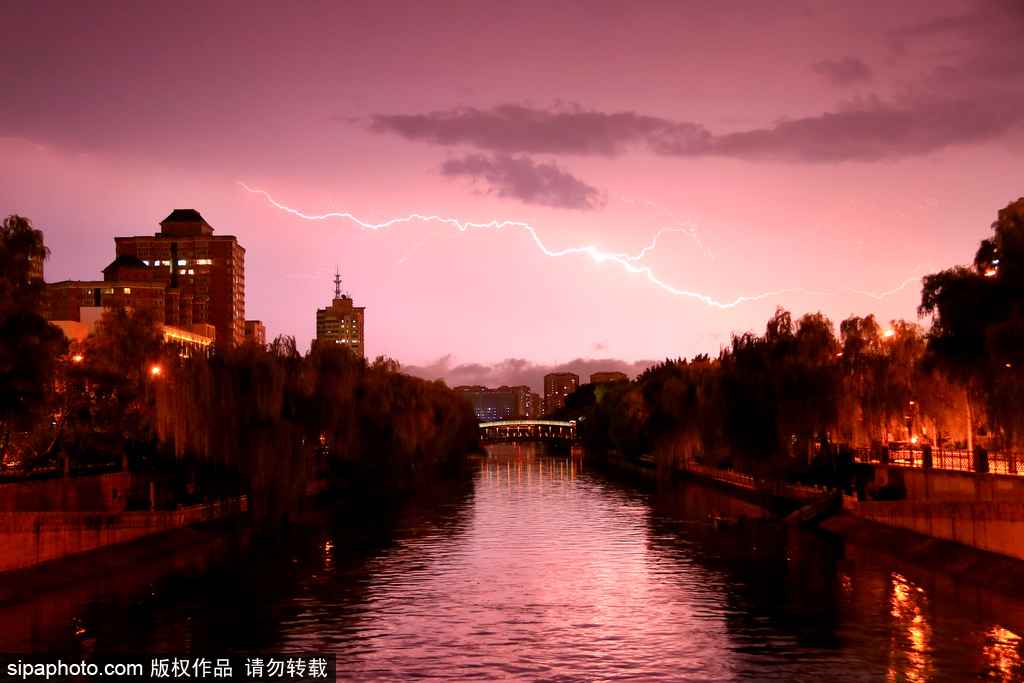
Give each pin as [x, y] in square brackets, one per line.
[543, 569]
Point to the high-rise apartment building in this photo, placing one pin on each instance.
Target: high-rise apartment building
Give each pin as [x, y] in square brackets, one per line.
[204, 274]
[342, 321]
[557, 386]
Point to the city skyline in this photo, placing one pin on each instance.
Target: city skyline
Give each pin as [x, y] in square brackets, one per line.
[824, 154]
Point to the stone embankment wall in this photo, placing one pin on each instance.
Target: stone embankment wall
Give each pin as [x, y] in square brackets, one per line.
[996, 527]
[94, 493]
[28, 538]
[984, 511]
[925, 484]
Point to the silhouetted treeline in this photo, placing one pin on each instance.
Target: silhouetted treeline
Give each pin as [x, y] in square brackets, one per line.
[267, 422]
[803, 385]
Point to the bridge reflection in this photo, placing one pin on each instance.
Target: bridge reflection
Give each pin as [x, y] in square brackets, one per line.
[547, 431]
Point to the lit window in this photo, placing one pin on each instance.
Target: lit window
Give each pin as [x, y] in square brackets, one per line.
[181, 271]
[181, 262]
[127, 290]
[191, 272]
[146, 262]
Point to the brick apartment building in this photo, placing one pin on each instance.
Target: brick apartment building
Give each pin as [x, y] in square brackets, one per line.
[204, 274]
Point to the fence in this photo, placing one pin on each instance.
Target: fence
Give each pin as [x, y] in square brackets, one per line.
[791, 491]
[961, 460]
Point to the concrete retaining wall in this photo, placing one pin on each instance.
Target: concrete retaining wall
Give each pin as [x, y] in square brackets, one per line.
[996, 527]
[94, 493]
[937, 485]
[28, 538]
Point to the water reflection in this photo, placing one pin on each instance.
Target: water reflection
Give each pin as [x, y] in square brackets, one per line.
[1004, 654]
[909, 648]
[540, 568]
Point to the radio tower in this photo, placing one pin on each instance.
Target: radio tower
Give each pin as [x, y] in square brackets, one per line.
[337, 282]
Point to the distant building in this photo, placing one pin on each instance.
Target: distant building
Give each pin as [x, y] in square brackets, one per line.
[503, 403]
[602, 377]
[341, 322]
[35, 268]
[203, 273]
[535, 407]
[256, 332]
[557, 386]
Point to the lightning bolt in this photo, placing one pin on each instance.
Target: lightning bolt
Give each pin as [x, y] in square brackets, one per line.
[28, 142]
[688, 227]
[624, 260]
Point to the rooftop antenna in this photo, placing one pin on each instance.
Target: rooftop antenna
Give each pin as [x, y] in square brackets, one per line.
[337, 282]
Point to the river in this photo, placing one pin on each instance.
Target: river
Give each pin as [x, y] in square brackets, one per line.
[543, 569]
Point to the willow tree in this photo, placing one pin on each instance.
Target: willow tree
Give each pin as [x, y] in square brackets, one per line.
[30, 348]
[978, 324]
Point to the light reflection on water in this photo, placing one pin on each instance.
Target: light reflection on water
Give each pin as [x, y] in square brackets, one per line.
[542, 569]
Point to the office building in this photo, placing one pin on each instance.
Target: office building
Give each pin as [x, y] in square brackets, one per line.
[342, 321]
[557, 386]
[203, 273]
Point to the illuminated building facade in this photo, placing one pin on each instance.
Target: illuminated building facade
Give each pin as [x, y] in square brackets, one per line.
[341, 322]
[503, 403]
[557, 386]
[203, 273]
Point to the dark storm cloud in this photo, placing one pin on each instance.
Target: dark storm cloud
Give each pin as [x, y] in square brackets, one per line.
[519, 371]
[976, 96]
[864, 130]
[531, 183]
[846, 71]
[872, 132]
[515, 128]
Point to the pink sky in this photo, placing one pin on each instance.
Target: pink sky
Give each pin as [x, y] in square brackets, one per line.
[817, 156]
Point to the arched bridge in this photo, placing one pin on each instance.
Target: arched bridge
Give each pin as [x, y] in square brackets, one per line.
[527, 430]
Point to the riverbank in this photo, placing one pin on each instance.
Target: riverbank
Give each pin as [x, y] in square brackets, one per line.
[27, 581]
[31, 538]
[976, 541]
[989, 569]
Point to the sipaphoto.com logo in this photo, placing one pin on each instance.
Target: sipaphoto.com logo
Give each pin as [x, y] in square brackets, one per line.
[60, 668]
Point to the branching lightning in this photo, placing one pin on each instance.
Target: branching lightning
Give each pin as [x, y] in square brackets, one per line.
[688, 226]
[28, 142]
[626, 261]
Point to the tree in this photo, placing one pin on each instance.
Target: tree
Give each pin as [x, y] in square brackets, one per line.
[978, 323]
[30, 348]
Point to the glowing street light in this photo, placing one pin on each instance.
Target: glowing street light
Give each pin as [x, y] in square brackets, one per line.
[77, 359]
[155, 370]
[889, 333]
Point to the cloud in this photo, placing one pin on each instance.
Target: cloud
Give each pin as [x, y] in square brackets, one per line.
[518, 371]
[531, 183]
[846, 71]
[975, 96]
[862, 130]
[516, 128]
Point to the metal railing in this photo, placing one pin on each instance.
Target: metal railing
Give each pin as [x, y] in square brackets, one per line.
[956, 459]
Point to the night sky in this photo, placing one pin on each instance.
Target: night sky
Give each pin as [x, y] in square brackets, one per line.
[621, 181]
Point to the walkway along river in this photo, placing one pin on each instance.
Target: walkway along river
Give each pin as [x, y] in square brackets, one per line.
[539, 568]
